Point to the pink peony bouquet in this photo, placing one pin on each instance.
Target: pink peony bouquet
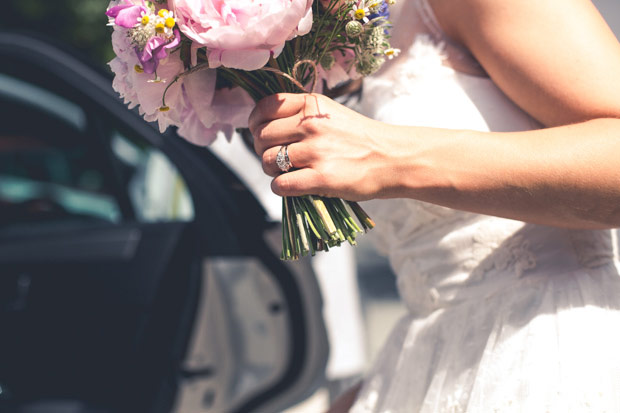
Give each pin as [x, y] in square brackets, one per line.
[201, 65]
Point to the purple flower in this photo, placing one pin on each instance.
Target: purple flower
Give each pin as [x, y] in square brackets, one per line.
[155, 50]
[382, 12]
[127, 15]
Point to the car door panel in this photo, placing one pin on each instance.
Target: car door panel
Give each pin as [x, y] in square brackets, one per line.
[80, 328]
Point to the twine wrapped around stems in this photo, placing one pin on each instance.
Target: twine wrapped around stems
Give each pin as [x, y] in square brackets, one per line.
[293, 78]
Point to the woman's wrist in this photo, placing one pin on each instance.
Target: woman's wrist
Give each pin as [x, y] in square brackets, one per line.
[418, 162]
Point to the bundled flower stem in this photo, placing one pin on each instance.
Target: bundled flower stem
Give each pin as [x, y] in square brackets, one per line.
[312, 223]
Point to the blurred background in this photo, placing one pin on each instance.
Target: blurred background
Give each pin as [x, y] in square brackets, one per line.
[81, 24]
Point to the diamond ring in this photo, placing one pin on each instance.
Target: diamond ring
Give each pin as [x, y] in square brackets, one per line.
[282, 159]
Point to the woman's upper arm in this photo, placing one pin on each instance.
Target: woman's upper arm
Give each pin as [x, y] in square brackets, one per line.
[557, 59]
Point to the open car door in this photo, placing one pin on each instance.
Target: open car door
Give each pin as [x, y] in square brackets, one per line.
[137, 273]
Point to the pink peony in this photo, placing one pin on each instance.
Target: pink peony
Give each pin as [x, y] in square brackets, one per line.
[208, 111]
[138, 88]
[242, 34]
[195, 106]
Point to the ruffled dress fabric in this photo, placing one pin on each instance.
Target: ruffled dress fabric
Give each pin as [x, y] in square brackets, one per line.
[503, 316]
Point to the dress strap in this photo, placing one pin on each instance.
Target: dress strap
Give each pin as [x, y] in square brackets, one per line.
[458, 57]
[427, 15]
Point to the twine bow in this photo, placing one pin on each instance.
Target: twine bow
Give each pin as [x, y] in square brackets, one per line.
[293, 76]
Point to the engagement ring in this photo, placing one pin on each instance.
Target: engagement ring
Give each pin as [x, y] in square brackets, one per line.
[282, 159]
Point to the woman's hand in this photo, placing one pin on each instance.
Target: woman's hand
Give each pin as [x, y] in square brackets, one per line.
[542, 176]
[335, 151]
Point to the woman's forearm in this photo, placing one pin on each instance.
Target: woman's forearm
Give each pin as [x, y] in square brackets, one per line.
[565, 176]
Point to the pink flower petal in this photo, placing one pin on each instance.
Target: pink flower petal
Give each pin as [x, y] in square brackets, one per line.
[244, 59]
[128, 16]
[199, 88]
[242, 37]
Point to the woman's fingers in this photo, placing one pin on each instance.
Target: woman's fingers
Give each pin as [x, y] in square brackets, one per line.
[299, 182]
[276, 133]
[298, 153]
[284, 118]
[280, 105]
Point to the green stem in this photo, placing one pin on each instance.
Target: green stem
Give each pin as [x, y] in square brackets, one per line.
[321, 209]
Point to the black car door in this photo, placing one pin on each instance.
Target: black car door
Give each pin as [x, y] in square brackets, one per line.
[136, 272]
[93, 283]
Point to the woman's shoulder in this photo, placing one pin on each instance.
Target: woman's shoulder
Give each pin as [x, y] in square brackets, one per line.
[532, 51]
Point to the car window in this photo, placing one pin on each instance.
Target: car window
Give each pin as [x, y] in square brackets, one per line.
[56, 168]
[48, 173]
[156, 189]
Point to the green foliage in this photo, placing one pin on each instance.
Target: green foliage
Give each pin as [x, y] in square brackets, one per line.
[79, 23]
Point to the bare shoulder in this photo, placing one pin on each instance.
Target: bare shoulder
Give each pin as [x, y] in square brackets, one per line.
[557, 59]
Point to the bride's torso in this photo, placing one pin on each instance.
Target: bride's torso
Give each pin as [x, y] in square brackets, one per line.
[443, 256]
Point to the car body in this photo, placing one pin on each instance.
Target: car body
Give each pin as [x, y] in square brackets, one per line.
[137, 272]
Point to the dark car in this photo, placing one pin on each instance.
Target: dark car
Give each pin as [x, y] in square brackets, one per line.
[137, 273]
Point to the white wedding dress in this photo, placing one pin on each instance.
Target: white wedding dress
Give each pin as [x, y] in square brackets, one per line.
[503, 316]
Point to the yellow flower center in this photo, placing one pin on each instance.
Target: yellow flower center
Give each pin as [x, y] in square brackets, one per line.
[170, 22]
[162, 13]
[373, 5]
[145, 20]
[389, 52]
[160, 28]
[360, 14]
[138, 69]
